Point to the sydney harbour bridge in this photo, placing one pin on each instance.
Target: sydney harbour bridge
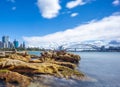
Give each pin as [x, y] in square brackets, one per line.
[81, 47]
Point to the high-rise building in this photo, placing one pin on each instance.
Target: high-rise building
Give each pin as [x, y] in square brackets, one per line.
[1, 44]
[5, 41]
[16, 43]
[23, 44]
[10, 45]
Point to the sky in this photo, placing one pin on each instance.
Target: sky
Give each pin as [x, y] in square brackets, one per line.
[39, 22]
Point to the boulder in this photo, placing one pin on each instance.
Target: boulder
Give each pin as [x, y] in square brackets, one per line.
[25, 58]
[34, 56]
[56, 63]
[14, 77]
[61, 56]
[38, 68]
[35, 61]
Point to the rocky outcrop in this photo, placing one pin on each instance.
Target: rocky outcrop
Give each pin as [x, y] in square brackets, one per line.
[66, 64]
[34, 56]
[42, 68]
[25, 57]
[56, 63]
[61, 56]
[2, 54]
[14, 77]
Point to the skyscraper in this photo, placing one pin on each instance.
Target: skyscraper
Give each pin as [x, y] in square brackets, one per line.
[5, 41]
[10, 45]
[1, 44]
[23, 44]
[16, 43]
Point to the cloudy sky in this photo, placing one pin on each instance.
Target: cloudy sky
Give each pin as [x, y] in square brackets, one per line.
[39, 22]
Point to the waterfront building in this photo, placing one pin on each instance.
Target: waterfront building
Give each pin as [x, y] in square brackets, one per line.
[16, 43]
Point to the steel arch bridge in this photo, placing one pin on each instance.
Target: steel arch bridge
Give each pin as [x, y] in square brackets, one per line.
[80, 47]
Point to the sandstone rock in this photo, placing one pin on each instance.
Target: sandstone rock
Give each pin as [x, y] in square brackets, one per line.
[61, 56]
[34, 56]
[24, 58]
[56, 63]
[13, 64]
[40, 68]
[47, 54]
[66, 64]
[14, 77]
[35, 61]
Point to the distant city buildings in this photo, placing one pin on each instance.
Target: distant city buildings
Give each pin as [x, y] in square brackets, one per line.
[1, 44]
[16, 43]
[6, 43]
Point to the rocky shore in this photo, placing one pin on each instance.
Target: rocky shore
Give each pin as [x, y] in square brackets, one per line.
[19, 68]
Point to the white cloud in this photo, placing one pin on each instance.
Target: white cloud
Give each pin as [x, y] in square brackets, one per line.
[49, 8]
[106, 29]
[13, 1]
[74, 14]
[116, 2]
[13, 8]
[75, 3]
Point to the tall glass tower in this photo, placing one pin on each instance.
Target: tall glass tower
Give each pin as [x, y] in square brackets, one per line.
[16, 44]
[5, 41]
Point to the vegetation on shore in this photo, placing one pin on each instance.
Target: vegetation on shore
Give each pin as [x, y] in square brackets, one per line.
[101, 49]
[22, 49]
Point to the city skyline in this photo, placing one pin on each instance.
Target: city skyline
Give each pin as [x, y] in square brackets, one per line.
[60, 21]
[5, 42]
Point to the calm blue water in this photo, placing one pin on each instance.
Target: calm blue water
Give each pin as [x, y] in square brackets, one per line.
[102, 66]
[34, 53]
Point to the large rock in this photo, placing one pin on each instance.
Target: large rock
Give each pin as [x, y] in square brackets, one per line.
[25, 58]
[2, 54]
[13, 64]
[14, 77]
[39, 68]
[61, 56]
[56, 63]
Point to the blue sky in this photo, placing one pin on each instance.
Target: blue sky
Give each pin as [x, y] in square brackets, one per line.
[32, 20]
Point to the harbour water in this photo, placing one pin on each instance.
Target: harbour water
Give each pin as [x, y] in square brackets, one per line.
[102, 66]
